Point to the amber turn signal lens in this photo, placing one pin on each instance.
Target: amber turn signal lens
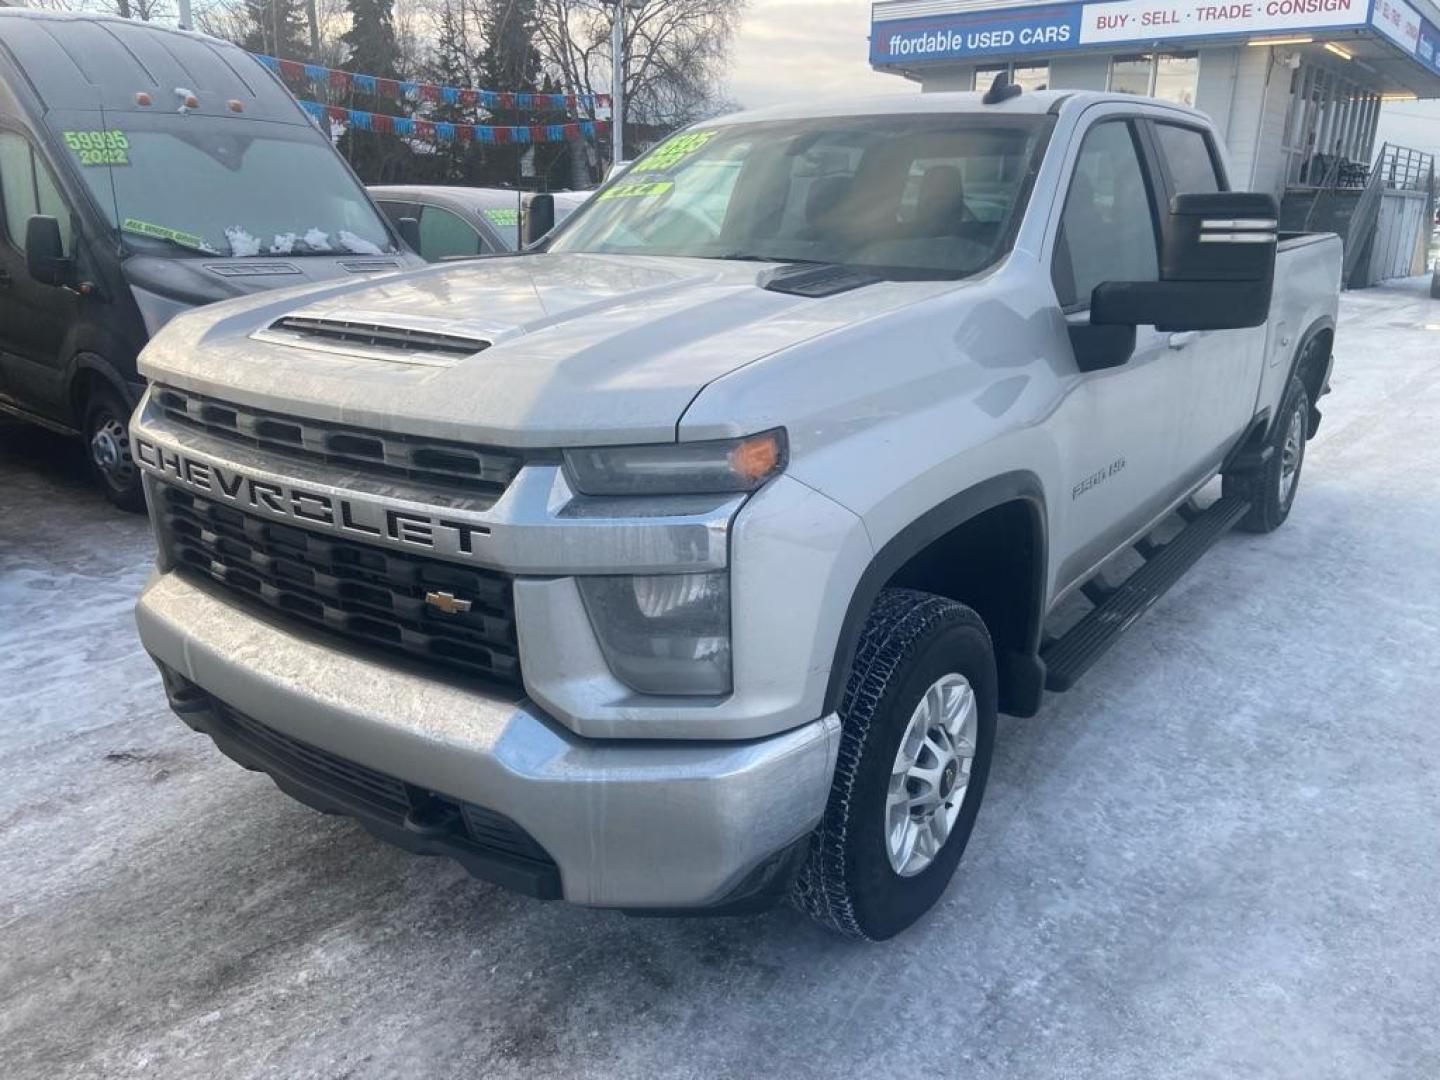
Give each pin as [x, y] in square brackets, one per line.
[757, 457]
[142, 99]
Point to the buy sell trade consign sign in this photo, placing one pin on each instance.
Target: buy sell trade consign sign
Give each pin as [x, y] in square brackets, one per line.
[991, 31]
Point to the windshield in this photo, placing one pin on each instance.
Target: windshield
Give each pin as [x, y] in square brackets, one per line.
[931, 195]
[222, 186]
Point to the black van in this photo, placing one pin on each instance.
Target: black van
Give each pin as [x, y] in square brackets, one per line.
[144, 171]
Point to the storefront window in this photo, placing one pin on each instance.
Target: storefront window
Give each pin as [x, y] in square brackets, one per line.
[1176, 77]
[1171, 76]
[1026, 76]
[1131, 74]
[1031, 76]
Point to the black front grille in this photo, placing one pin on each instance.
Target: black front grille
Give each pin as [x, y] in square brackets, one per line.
[362, 592]
[479, 470]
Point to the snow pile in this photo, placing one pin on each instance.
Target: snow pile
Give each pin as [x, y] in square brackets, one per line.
[283, 244]
[358, 244]
[317, 240]
[242, 244]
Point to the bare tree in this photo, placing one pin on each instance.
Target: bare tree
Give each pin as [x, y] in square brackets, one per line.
[676, 52]
[144, 10]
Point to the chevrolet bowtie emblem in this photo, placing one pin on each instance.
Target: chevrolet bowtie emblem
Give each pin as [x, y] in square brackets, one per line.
[449, 603]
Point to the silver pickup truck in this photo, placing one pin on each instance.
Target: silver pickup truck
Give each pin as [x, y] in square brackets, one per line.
[684, 561]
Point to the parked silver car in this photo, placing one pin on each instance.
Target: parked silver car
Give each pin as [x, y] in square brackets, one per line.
[458, 221]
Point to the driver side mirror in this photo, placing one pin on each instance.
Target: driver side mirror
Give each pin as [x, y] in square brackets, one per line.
[539, 219]
[1217, 268]
[45, 259]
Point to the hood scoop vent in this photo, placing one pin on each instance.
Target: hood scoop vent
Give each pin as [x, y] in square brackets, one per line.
[379, 341]
[814, 280]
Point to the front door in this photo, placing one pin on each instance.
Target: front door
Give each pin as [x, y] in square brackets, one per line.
[1116, 429]
[34, 318]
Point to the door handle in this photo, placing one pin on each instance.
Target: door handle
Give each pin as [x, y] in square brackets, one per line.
[1185, 337]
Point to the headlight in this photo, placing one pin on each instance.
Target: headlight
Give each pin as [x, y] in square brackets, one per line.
[663, 633]
[699, 468]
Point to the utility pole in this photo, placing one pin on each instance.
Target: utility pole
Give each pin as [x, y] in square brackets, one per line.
[313, 18]
[617, 84]
[186, 22]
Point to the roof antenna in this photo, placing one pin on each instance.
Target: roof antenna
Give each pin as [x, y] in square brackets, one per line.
[1002, 89]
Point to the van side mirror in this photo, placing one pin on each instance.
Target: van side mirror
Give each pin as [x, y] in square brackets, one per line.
[45, 259]
[539, 218]
[409, 229]
[1217, 268]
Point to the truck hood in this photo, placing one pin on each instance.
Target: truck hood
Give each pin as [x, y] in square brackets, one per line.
[572, 349]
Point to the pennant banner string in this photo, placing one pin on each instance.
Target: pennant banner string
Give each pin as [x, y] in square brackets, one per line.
[402, 90]
[439, 131]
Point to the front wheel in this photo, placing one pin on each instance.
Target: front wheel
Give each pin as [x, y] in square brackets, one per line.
[919, 729]
[107, 438]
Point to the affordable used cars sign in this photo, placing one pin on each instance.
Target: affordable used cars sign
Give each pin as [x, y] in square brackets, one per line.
[1012, 30]
[1056, 28]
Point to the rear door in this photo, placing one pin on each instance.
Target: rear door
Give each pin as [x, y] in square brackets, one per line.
[35, 318]
[1216, 372]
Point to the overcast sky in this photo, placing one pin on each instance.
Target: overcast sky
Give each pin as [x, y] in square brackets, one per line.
[796, 49]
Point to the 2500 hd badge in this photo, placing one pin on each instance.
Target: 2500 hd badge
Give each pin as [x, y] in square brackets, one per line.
[343, 514]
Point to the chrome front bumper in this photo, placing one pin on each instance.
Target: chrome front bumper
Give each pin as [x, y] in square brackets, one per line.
[636, 825]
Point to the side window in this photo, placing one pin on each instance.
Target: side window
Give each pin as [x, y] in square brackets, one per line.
[27, 189]
[443, 233]
[397, 210]
[17, 186]
[52, 202]
[1187, 152]
[1107, 229]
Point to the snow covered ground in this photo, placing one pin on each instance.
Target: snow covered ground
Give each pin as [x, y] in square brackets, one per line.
[1217, 857]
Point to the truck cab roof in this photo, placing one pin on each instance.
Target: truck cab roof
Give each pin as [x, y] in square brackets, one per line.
[1027, 103]
[84, 62]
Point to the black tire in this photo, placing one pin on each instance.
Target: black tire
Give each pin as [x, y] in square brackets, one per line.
[107, 448]
[911, 640]
[1270, 497]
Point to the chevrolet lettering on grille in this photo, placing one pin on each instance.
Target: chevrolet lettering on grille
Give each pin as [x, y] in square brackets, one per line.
[357, 517]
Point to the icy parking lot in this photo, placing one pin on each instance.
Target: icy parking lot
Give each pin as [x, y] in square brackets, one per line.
[1218, 857]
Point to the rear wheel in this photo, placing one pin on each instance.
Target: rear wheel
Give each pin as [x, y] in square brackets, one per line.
[919, 729]
[107, 438]
[1272, 487]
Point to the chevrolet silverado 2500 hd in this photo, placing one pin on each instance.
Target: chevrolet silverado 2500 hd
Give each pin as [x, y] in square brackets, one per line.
[684, 561]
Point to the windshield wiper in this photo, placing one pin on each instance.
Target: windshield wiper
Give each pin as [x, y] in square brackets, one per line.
[745, 256]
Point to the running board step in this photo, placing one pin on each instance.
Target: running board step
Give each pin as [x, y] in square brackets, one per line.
[1071, 656]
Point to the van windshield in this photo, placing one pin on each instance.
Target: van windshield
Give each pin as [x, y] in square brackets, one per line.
[916, 195]
[221, 186]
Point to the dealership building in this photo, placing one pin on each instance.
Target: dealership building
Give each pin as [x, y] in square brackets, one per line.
[1295, 87]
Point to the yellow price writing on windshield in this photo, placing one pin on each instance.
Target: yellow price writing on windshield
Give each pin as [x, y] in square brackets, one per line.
[673, 151]
[99, 147]
[639, 190]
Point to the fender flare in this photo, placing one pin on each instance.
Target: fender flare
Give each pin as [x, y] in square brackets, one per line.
[93, 363]
[1019, 486]
[1319, 326]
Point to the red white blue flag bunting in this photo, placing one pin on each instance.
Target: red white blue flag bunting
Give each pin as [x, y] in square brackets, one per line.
[438, 131]
[403, 90]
